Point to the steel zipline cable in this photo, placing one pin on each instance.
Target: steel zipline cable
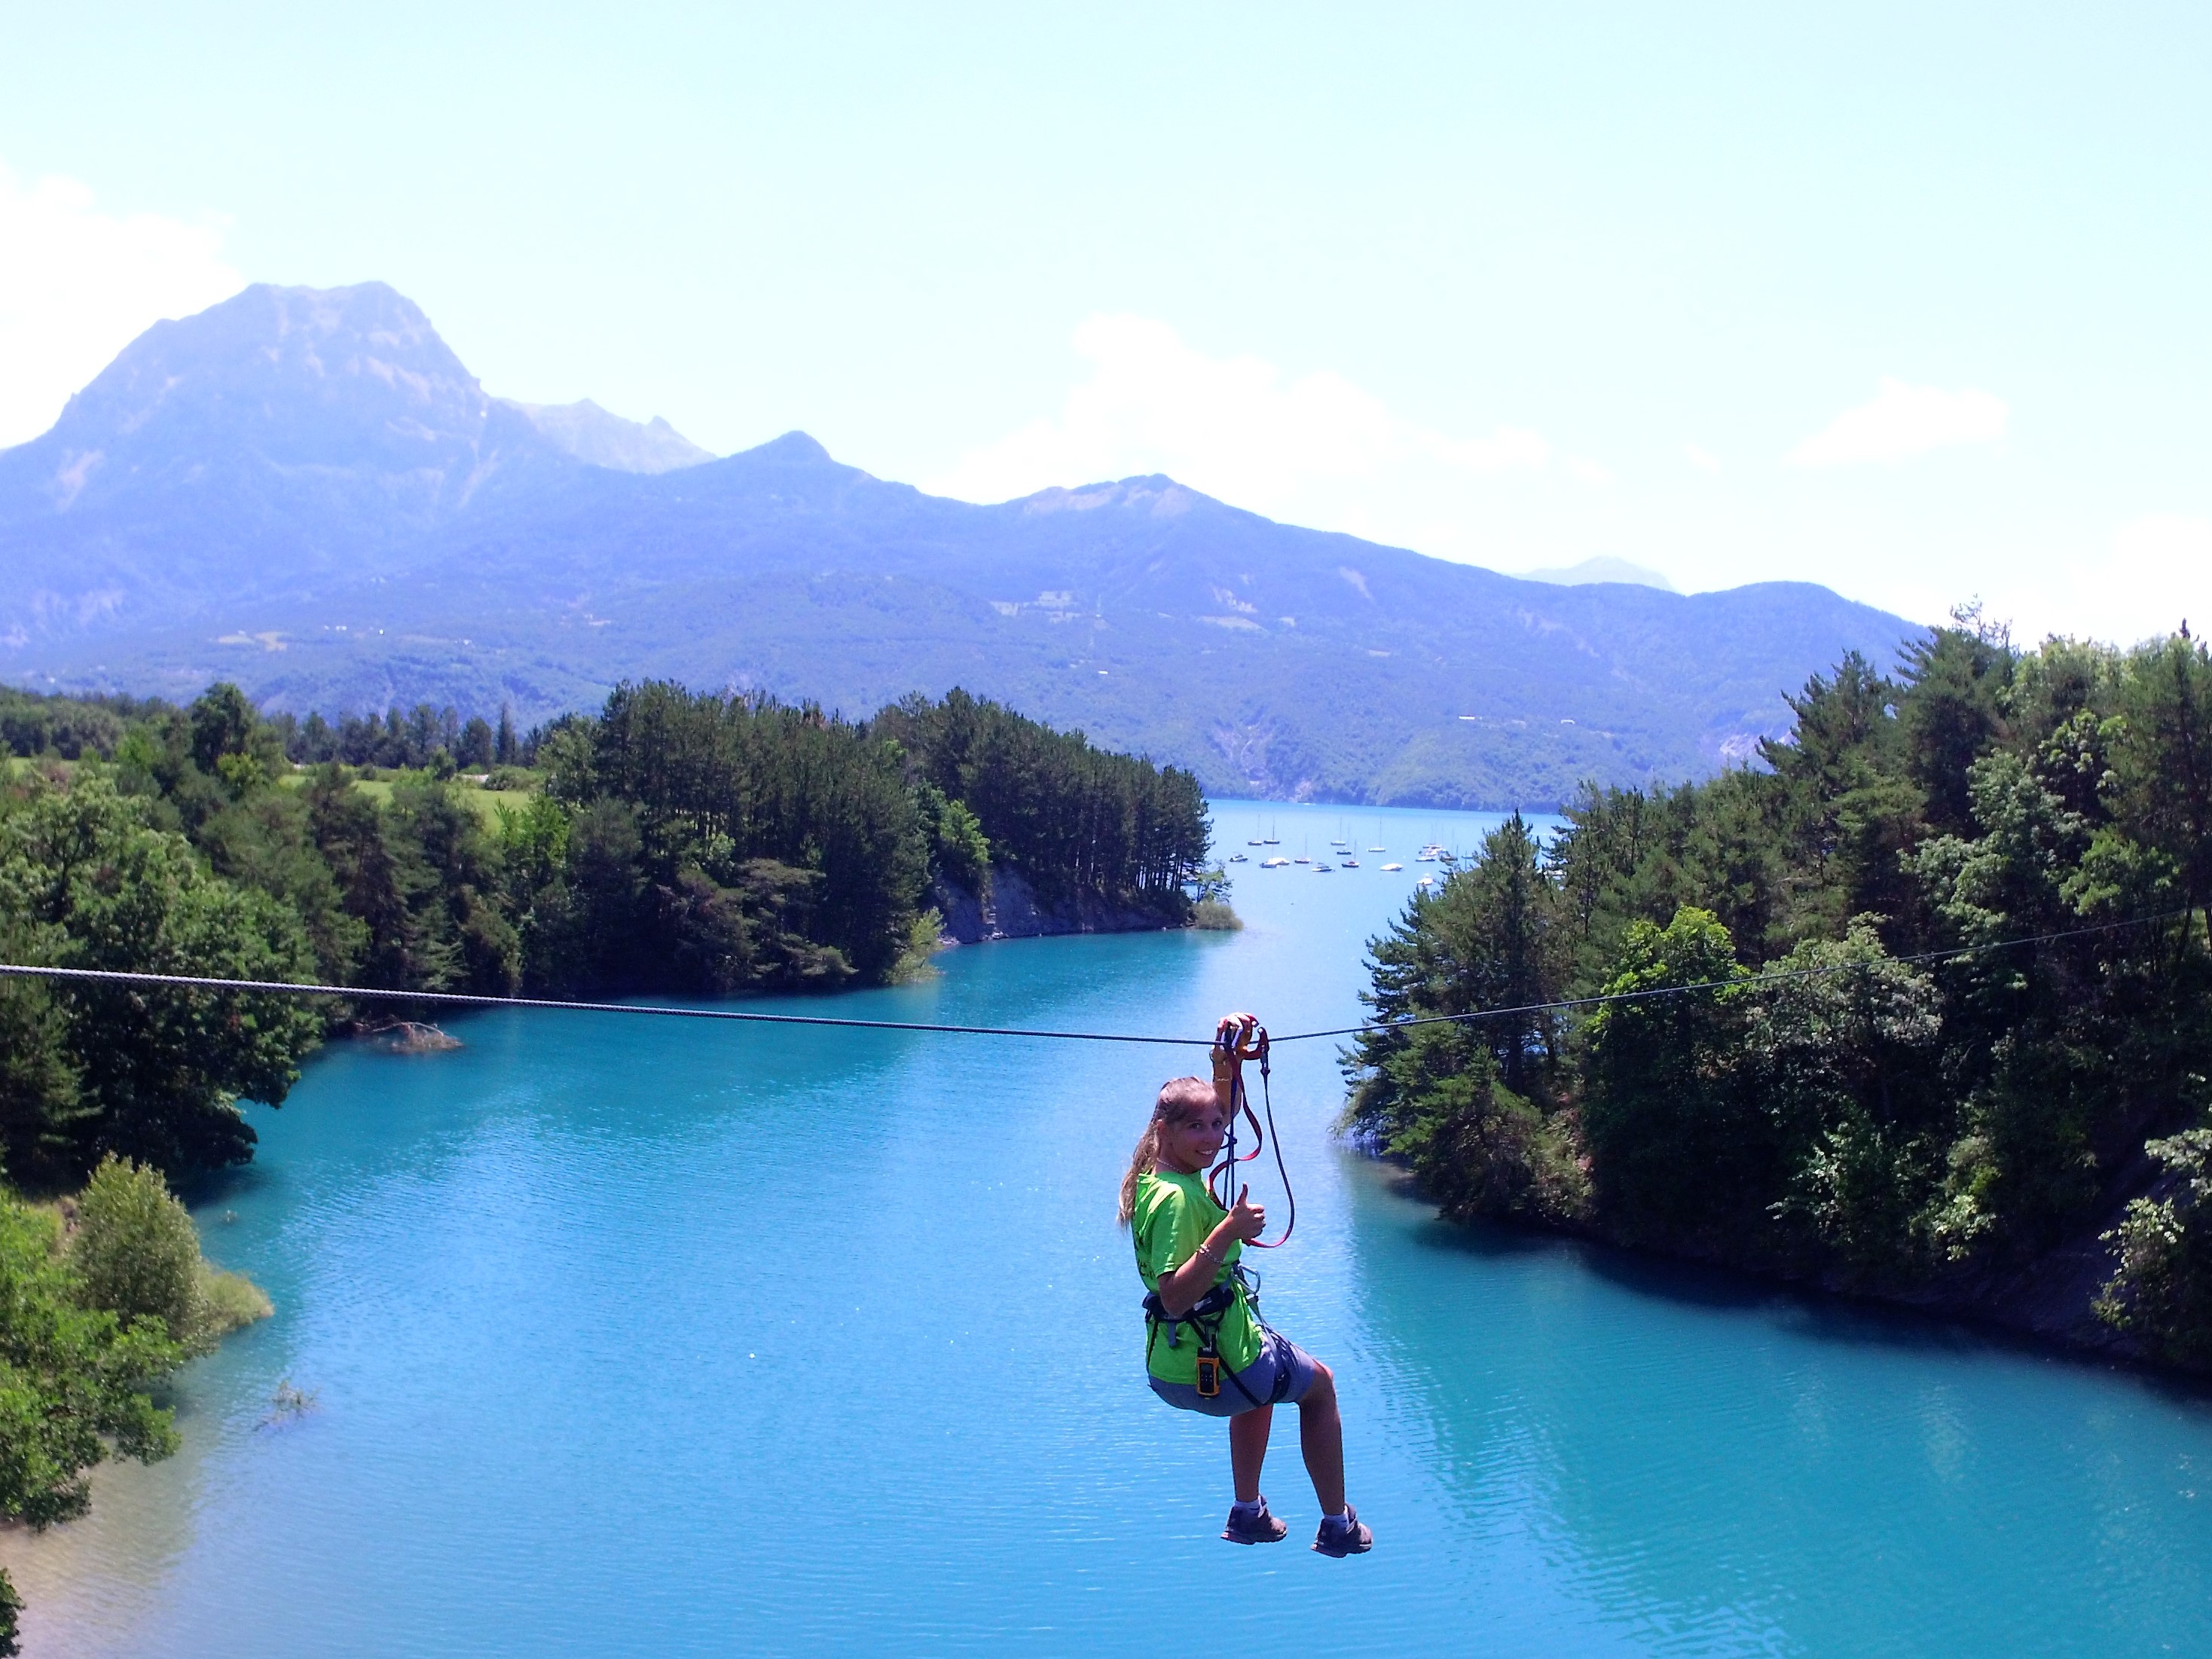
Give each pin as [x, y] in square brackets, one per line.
[464, 999]
[1771, 977]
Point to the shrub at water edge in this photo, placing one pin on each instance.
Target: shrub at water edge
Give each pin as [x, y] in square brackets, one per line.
[101, 1298]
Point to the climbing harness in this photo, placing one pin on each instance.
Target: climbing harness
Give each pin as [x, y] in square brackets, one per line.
[1206, 1316]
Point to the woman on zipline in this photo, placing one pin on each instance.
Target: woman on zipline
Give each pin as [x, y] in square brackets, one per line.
[1205, 1347]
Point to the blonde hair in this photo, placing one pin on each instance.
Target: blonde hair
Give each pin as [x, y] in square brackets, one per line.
[1182, 1098]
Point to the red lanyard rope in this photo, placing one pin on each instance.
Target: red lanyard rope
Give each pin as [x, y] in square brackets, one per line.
[1225, 1171]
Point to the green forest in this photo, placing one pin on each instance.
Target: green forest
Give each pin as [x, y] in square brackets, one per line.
[677, 842]
[1950, 1006]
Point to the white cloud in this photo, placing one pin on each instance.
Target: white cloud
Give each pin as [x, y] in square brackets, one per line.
[1315, 450]
[1902, 422]
[1701, 458]
[2157, 572]
[77, 285]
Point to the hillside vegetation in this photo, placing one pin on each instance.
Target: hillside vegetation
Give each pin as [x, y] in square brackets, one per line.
[682, 842]
[1924, 1010]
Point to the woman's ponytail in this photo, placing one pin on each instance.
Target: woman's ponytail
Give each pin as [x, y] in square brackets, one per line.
[1140, 1163]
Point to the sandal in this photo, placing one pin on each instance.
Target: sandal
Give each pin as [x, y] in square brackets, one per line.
[1254, 1526]
[1342, 1534]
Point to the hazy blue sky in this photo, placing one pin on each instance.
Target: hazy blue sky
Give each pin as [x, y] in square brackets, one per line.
[1912, 301]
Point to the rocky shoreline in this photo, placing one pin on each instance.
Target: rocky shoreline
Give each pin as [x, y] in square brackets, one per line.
[2046, 1301]
[1013, 909]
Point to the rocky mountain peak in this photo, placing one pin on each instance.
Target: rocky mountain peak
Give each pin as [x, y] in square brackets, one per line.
[598, 438]
[302, 375]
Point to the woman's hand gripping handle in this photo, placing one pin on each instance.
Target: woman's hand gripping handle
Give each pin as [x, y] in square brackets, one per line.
[1234, 1043]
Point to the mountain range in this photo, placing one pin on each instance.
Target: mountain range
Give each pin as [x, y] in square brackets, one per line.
[307, 492]
[1603, 568]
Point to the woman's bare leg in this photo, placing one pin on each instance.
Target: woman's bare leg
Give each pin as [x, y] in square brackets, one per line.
[1320, 1437]
[1248, 1449]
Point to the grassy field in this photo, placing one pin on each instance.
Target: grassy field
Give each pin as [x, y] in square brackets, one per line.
[486, 803]
[17, 765]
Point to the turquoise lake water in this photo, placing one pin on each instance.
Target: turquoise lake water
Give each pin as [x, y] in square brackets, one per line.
[656, 1336]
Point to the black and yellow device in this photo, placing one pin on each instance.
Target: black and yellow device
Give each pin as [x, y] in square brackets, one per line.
[1209, 1372]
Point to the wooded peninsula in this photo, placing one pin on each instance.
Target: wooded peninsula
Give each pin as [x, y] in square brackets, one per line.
[1921, 1009]
[677, 842]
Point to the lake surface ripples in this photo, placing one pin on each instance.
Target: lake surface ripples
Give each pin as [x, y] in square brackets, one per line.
[663, 1338]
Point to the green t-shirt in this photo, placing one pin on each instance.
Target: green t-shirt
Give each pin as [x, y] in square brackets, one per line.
[1174, 1214]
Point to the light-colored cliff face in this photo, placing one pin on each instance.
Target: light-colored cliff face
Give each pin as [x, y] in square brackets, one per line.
[1013, 910]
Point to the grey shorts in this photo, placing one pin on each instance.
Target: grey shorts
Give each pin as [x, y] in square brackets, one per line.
[1279, 1376]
